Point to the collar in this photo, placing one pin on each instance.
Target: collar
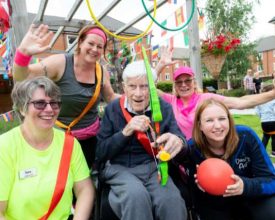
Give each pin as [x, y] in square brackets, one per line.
[130, 109]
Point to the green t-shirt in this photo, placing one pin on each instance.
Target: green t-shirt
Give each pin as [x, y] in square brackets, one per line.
[28, 176]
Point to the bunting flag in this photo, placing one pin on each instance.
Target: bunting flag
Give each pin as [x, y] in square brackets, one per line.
[7, 116]
[35, 60]
[179, 16]
[4, 16]
[149, 37]
[119, 54]
[172, 1]
[138, 45]
[164, 32]
[171, 42]
[3, 49]
[201, 19]
[155, 51]
[185, 36]
[132, 49]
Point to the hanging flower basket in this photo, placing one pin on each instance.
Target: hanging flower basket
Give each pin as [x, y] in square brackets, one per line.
[214, 63]
[214, 51]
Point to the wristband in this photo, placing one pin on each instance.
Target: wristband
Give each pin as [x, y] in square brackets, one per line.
[21, 59]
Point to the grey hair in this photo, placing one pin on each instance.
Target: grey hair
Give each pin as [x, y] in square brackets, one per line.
[23, 91]
[136, 69]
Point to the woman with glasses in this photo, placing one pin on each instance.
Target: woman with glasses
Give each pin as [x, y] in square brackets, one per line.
[30, 157]
[186, 97]
[78, 75]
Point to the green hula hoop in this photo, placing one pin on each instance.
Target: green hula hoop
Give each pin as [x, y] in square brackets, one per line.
[170, 29]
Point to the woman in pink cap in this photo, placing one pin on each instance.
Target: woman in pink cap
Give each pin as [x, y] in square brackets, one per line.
[78, 75]
[187, 98]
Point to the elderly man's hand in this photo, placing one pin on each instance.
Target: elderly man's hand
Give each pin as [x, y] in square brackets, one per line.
[137, 123]
[172, 143]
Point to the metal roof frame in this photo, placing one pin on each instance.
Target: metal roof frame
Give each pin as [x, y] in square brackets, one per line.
[70, 22]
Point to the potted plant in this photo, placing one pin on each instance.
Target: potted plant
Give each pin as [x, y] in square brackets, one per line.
[214, 51]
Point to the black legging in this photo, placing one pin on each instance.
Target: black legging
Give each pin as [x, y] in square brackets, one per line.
[88, 147]
[268, 127]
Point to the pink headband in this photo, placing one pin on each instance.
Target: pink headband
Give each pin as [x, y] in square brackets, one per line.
[98, 32]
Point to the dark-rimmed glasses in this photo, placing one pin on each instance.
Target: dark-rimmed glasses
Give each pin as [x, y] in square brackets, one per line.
[186, 82]
[41, 104]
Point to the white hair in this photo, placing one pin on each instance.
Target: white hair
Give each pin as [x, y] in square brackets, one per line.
[135, 69]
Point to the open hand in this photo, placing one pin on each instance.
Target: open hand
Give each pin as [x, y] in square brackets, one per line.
[36, 40]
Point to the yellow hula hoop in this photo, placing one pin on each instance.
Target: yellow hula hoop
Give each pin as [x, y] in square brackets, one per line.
[117, 36]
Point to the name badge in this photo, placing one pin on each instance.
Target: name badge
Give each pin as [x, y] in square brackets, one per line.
[23, 174]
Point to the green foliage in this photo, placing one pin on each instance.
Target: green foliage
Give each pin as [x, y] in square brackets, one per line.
[235, 92]
[5, 126]
[165, 86]
[236, 83]
[253, 121]
[235, 18]
[210, 82]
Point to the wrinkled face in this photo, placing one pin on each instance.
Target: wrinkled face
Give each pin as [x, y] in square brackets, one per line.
[185, 85]
[92, 47]
[137, 92]
[38, 117]
[214, 124]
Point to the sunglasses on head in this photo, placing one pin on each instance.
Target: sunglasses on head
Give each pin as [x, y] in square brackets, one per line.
[41, 104]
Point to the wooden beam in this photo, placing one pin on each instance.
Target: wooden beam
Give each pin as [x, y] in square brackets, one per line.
[41, 10]
[68, 18]
[104, 13]
[138, 18]
[19, 20]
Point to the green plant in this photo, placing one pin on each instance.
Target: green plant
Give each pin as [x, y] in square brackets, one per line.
[235, 92]
[165, 86]
[210, 82]
[253, 122]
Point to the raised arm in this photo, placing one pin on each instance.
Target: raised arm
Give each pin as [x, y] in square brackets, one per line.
[35, 41]
[165, 59]
[249, 101]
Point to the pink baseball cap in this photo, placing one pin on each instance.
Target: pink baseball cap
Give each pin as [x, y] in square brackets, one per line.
[183, 70]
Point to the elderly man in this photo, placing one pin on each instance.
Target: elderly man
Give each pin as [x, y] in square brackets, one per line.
[129, 169]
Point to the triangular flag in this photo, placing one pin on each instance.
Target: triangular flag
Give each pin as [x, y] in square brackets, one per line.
[155, 51]
[172, 1]
[149, 37]
[132, 49]
[179, 16]
[185, 36]
[171, 42]
[163, 32]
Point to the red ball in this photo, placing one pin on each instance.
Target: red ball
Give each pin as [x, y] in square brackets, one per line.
[214, 175]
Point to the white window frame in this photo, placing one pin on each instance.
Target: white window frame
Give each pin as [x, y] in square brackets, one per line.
[70, 38]
[167, 76]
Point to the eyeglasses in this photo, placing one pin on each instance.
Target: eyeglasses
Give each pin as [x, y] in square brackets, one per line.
[41, 104]
[186, 82]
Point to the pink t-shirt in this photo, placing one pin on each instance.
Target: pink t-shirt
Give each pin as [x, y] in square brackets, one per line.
[185, 114]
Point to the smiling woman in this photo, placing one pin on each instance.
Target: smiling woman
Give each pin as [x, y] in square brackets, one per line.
[82, 80]
[252, 193]
[34, 150]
